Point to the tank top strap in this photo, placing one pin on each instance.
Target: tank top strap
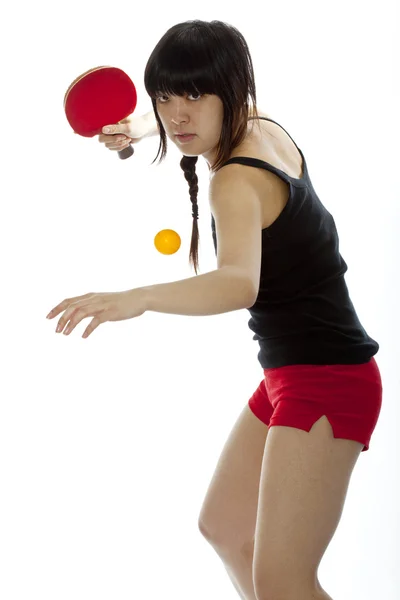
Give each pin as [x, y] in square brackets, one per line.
[267, 119]
[258, 163]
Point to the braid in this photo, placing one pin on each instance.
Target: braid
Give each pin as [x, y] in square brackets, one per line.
[188, 165]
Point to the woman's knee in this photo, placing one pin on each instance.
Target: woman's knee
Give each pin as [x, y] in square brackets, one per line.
[229, 512]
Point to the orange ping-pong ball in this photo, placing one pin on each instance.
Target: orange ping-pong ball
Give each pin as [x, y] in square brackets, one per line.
[167, 241]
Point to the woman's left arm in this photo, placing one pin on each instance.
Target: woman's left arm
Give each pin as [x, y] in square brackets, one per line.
[220, 291]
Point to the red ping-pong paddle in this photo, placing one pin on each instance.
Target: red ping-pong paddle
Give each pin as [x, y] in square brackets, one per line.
[99, 97]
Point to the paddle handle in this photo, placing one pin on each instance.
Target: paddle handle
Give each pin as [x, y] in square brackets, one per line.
[126, 152]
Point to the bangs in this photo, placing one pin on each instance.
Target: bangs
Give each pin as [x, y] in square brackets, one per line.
[176, 71]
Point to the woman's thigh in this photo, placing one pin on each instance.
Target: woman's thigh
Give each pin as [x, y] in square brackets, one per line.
[229, 511]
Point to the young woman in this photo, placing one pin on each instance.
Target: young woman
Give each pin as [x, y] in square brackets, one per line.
[279, 488]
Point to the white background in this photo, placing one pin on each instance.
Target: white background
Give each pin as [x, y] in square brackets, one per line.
[108, 444]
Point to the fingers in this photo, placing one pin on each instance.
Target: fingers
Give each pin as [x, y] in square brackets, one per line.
[115, 142]
[107, 139]
[73, 315]
[66, 303]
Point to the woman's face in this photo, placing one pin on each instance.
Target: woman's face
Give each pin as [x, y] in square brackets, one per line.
[201, 115]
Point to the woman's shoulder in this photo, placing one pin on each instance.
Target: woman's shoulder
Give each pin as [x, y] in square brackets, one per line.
[261, 113]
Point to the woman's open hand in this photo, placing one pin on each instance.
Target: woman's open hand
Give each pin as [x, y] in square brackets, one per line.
[105, 306]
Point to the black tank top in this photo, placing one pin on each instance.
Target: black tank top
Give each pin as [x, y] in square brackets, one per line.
[303, 313]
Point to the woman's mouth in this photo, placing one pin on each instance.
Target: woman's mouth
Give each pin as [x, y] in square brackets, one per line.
[185, 138]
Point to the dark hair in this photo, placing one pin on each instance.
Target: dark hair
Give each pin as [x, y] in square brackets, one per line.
[201, 57]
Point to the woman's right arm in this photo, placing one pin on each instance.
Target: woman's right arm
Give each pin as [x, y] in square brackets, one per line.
[152, 122]
[129, 131]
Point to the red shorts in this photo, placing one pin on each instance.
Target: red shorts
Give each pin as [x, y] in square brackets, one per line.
[298, 395]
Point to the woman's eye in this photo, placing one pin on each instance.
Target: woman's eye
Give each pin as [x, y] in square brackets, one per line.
[195, 99]
[198, 98]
